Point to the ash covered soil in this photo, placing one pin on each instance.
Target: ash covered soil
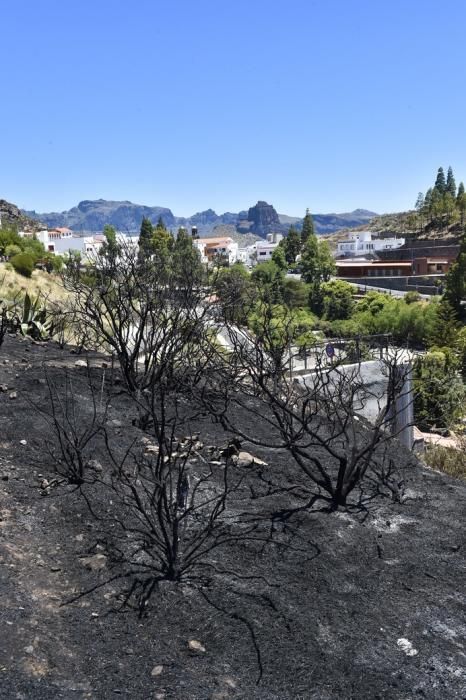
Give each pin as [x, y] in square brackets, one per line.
[359, 604]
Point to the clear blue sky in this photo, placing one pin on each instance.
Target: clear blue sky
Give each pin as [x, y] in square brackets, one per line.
[329, 104]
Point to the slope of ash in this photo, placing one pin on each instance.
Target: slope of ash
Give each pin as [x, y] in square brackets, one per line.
[354, 604]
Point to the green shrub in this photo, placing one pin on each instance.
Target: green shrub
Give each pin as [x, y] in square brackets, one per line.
[295, 293]
[23, 264]
[439, 393]
[34, 248]
[412, 297]
[12, 249]
[337, 299]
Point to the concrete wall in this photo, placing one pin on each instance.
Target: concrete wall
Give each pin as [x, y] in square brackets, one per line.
[371, 400]
[419, 283]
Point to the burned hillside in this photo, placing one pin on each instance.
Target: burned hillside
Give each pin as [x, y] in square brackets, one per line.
[364, 602]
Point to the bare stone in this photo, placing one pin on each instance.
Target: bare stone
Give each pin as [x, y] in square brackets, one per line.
[157, 671]
[80, 363]
[245, 459]
[94, 465]
[196, 646]
[96, 562]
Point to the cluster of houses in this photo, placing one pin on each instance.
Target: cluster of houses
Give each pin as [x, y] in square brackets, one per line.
[61, 241]
[362, 256]
[260, 251]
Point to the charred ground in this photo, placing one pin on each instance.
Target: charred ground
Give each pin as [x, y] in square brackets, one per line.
[361, 603]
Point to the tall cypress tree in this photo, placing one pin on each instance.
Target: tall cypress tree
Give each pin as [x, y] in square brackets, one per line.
[308, 228]
[451, 184]
[310, 261]
[440, 184]
[145, 236]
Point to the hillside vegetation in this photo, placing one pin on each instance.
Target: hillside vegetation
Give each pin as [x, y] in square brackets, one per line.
[440, 213]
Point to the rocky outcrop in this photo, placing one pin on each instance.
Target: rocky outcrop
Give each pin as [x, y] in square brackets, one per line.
[92, 215]
[259, 220]
[12, 217]
[264, 219]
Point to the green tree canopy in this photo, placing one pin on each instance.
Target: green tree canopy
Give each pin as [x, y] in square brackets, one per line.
[460, 191]
[308, 227]
[295, 293]
[317, 261]
[278, 257]
[451, 184]
[337, 299]
[186, 259]
[292, 245]
[268, 278]
[439, 394]
[440, 183]
[445, 327]
[145, 237]
[236, 292]
[455, 282]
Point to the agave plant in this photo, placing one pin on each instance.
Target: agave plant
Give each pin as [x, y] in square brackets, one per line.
[7, 317]
[34, 321]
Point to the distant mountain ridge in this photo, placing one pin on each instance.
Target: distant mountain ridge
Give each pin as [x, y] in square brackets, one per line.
[261, 219]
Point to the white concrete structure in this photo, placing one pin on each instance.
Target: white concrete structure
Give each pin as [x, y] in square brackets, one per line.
[211, 248]
[364, 243]
[264, 251]
[61, 241]
[246, 256]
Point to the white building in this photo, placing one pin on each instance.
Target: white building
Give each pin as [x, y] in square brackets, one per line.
[211, 248]
[247, 255]
[364, 243]
[61, 241]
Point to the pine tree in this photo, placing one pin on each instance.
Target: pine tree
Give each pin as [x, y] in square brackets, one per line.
[445, 327]
[420, 208]
[419, 202]
[310, 261]
[451, 184]
[440, 184]
[428, 203]
[307, 229]
[460, 192]
[110, 247]
[461, 202]
[145, 237]
[185, 259]
[436, 207]
[455, 282]
[292, 245]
